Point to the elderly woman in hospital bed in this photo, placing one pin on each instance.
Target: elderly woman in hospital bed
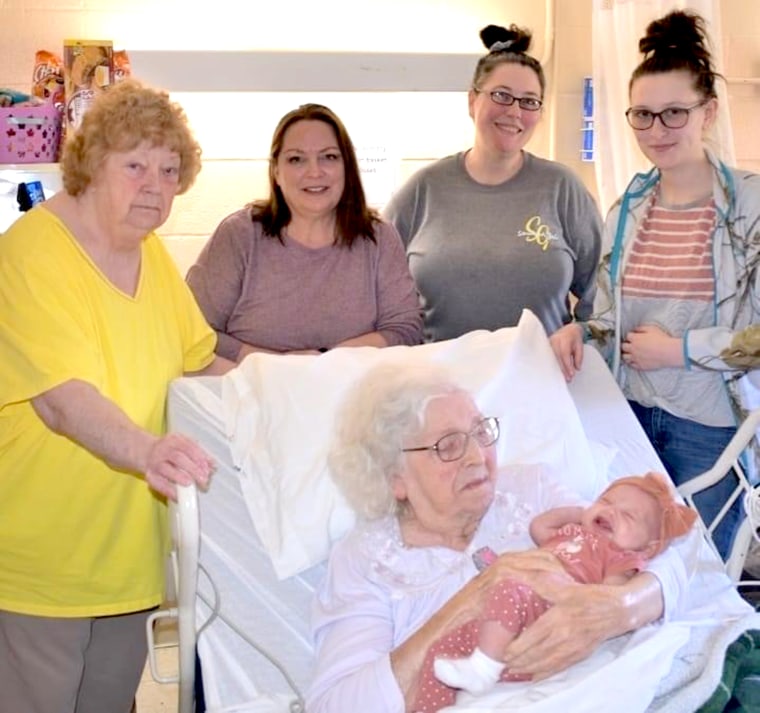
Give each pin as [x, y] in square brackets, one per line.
[415, 458]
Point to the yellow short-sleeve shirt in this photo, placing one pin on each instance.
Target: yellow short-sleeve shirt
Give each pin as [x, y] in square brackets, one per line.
[79, 538]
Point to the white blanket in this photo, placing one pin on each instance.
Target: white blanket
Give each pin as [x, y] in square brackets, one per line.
[670, 668]
[622, 675]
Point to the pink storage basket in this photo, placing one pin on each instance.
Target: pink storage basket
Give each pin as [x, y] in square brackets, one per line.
[29, 134]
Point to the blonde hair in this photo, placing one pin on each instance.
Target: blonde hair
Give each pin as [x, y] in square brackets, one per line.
[121, 118]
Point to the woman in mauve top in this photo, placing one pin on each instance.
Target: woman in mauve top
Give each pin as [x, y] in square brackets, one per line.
[312, 267]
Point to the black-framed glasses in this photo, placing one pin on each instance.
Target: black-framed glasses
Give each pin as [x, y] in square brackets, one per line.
[504, 98]
[453, 446]
[674, 117]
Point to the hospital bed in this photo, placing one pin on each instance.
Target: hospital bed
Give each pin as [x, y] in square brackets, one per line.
[244, 590]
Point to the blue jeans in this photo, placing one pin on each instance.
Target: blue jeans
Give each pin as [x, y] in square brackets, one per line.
[200, 697]
[687, 449]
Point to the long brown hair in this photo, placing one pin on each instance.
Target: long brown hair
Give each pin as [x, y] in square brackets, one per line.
[353, 217]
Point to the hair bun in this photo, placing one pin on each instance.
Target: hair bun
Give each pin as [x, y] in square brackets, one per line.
[502, 39]
[679, 32]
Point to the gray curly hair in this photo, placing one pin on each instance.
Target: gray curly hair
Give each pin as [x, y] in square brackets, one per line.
[382, 410]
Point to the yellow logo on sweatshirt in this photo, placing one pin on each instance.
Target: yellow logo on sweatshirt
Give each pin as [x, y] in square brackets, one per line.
[537, 232]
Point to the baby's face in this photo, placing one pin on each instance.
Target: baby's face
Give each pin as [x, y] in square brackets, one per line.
[626, 515]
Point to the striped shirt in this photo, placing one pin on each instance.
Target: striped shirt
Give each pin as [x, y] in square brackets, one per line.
[671, 256]
[668, 282]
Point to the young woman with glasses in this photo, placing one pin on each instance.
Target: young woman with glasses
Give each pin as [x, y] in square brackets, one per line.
[494, 229]
[680, 273]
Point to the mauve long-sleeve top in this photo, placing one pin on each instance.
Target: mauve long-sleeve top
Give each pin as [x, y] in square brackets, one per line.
[284, 296]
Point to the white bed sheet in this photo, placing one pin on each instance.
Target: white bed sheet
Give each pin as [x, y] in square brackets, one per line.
[276, 613]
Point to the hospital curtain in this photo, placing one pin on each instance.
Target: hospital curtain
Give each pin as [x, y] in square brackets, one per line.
[617, 26]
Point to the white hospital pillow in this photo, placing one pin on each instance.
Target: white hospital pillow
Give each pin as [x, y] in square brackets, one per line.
[280, 410]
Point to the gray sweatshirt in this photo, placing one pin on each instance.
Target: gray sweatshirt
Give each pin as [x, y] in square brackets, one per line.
[480, 254]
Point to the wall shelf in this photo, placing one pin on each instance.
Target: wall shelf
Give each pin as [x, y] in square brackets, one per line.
[261, 71]
[742, 80]
[35, 168]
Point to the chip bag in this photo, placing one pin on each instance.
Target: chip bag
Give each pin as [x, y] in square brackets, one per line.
[47, 78]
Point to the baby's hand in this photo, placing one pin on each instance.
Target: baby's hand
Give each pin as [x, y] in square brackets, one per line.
[484, 557]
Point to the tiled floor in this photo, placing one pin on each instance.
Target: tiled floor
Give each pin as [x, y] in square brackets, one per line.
[155, 697]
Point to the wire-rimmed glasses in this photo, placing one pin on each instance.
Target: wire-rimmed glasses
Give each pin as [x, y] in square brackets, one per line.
[504, 98]
[674, 117]
[453, 446]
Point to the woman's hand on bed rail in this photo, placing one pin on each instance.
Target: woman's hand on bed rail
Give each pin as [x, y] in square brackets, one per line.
[567, 343]
[175, 460]
[77, 410]
[582, 616]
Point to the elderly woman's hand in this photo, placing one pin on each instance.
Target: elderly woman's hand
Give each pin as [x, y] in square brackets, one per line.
[530, 567]
[79, 411]
[582, 616]
[175, 460]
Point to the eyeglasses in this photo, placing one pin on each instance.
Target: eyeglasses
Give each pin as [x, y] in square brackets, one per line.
[499, 96]
[453, 446]
[674, 117]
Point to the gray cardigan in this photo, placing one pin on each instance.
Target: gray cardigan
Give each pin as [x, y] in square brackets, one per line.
[736, 262]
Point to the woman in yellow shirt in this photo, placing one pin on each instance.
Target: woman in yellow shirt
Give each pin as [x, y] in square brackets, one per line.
[95, 321]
